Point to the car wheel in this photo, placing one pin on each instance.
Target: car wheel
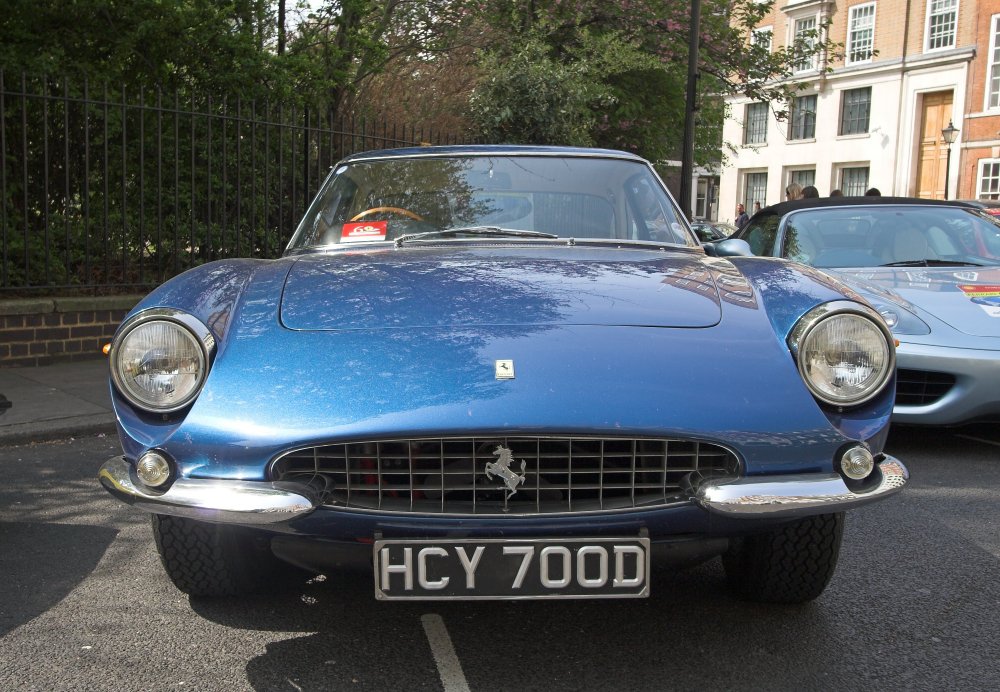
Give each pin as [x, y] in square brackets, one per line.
[791, 564]
[204, 559]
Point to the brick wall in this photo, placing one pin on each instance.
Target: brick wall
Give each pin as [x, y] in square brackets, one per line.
[40, 331]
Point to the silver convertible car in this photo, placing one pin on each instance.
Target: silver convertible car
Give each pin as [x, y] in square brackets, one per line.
[478, 373]
[931, 268]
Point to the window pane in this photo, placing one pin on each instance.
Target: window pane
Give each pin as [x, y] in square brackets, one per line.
[854, 111]
[803, 178]
[755, 124]
[803, 118]
[860, 40]
[756, 190]
[941, 24]
[993, 85]
[854, 181]
[989, 188]
[805, 30]
[762, 38]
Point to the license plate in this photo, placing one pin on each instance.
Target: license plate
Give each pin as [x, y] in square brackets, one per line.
[506, 569]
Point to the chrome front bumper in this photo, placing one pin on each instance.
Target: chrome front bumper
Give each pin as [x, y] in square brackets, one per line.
[796, 495]
[220, 501]
[261, 502]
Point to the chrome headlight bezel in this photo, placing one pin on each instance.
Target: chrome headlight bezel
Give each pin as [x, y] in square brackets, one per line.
[189, 327]
[806, 327]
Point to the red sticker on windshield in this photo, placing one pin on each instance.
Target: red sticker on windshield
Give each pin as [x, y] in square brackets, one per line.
[365, 231]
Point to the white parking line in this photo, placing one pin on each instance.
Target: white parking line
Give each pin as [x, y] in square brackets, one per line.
[449, 667]
[979, 439]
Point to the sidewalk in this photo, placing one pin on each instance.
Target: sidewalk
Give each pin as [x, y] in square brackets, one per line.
[55, 401]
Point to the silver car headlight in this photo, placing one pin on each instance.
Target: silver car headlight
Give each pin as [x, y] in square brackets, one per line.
[844, 352]
[899, 319]
[160, 359]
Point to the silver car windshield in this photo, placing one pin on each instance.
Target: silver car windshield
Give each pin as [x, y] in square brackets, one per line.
[903, 235]
[564, 196]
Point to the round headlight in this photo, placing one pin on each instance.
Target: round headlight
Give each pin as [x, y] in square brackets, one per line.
[844, 352]
[159, 364]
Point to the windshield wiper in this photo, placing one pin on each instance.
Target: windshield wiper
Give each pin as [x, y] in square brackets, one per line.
[488, 231]
[933, 263]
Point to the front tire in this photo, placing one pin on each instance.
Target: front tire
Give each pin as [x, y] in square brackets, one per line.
[204, 559]
[791, 564]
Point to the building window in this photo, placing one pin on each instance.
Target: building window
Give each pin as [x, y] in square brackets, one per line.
[802, 121]
[861, 33]
[704, 205]
[855, 108]
[941, 19]
[989, 179]
[805, 40]
[755, 124]
[854, 181]
[755, 191]
[762, 37]
[993, 84]
[803, 177]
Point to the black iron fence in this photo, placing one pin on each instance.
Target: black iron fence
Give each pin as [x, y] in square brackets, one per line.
[106, 190]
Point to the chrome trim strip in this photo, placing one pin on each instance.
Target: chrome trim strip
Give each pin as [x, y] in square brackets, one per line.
[261, 503]
[795, 495]
[435, 153]
[219, 501]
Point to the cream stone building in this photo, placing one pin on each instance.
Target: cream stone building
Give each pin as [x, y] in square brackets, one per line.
[909, 69]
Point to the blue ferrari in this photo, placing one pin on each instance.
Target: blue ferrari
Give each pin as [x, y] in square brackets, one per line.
[498, 372]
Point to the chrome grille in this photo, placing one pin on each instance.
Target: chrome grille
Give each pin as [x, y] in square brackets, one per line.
[561, 474]
[920, 387]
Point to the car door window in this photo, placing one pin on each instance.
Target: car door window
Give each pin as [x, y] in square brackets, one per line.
[761, 235]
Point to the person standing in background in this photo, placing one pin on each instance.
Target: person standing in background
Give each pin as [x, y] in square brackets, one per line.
[741, 216]
[793, 191]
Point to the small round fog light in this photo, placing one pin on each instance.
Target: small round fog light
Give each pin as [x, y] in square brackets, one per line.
[153, 469]
[857, 463]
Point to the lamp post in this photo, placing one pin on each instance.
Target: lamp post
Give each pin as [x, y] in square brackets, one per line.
[949, 134]
[687, 147]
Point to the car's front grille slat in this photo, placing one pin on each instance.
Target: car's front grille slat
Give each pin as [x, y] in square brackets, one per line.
[560, 474]
[921, 387]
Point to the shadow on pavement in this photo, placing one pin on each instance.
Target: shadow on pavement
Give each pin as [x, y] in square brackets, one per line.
[42, 563]
[351, 641]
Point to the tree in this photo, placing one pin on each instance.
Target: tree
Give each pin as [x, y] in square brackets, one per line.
[637, 105]
[348, 43]
[220, 46]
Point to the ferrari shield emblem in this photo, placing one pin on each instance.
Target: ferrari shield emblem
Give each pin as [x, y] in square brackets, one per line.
[505, 369]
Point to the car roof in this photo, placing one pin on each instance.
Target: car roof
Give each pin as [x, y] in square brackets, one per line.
[490, 149]
[984, 203]
[783, 208]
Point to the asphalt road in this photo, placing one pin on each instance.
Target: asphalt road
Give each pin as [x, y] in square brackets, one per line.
[84, 604]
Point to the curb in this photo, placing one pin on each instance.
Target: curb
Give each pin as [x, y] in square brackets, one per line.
[47, 431]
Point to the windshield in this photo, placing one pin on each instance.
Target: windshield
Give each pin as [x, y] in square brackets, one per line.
[886, 236]
[566, 196]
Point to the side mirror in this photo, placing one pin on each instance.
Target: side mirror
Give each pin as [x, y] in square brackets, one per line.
[730, 247]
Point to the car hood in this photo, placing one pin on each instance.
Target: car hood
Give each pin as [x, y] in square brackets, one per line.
[437, 287]
[965, 298]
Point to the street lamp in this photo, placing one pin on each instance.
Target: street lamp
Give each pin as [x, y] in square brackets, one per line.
[950, 134]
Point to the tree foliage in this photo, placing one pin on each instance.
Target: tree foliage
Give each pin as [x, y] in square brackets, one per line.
[640, 105]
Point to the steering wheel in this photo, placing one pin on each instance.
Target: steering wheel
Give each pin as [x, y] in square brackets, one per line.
[388, 210]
